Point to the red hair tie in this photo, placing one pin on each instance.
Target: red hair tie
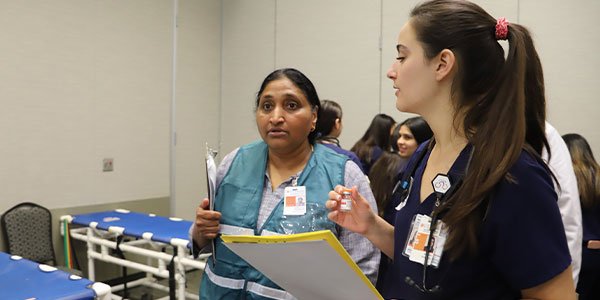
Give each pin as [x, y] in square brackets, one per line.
[502, 29]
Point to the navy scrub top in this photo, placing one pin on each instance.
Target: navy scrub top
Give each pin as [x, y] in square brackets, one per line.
[521, 245]
[591, 223]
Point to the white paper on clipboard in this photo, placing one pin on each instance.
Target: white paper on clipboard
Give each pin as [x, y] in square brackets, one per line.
[211, 175]
[311, 265]
[211, 182]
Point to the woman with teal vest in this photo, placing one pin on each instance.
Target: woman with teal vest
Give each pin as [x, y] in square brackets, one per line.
[254, 180]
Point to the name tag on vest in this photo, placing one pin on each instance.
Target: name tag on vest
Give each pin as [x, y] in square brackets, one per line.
[294, 201]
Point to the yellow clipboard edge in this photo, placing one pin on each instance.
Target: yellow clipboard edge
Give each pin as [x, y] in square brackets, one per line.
[303, 237]
[272, 239]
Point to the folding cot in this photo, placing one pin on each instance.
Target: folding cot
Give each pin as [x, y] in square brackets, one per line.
[147, 235]
[24, 279]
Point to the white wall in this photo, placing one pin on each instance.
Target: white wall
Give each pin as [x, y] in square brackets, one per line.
[248, 55]
[260, 36]
[84, 80]
[567, 38]
[338, 51]
[336, 44]
[196, 100]
[81, 81]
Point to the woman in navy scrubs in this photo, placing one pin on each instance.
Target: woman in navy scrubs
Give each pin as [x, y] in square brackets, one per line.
[478, 217]
[587, 172]
[374, 142]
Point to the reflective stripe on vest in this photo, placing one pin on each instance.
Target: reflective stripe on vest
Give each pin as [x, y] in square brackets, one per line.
[234, 284]
[237, 230]
[269, 292]
[234, 230]
[253, 287]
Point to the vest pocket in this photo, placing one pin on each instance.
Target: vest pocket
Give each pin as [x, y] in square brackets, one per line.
[238, 204]
[315, 219]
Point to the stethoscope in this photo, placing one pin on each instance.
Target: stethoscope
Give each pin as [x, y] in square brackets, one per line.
[403, 189]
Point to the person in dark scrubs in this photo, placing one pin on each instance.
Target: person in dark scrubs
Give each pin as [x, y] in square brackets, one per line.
[374, 142]
[409, 134]
[385, 173]
[329, 128]
[479, 187]
[587, 172]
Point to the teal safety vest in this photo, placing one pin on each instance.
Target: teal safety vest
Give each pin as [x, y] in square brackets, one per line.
[239, 197]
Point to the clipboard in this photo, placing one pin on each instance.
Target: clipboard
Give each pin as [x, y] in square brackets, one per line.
[211, 182]
[211, 176]
[312, 265]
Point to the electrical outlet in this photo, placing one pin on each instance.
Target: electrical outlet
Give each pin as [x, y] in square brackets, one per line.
[107, 165]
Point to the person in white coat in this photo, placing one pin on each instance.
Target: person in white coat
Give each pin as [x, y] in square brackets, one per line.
[568, 195]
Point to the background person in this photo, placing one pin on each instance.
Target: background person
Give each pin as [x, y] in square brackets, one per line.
[587, 172]
[410, 134]
[374, 142]
[386, 172]
[329, 128]
[568, 196]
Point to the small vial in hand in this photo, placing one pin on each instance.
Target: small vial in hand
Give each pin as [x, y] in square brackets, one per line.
[346, 201]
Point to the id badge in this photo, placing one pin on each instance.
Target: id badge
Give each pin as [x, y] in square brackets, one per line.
[294, 201]
[439, 239]
[412, 234]
[420, 238]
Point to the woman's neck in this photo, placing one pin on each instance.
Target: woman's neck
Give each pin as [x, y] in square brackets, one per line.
[282, 166]
[449, 142]
[442, 158]
[449, 137]
[329, 140]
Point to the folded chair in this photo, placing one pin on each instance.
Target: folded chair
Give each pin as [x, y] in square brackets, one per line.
[27, 229]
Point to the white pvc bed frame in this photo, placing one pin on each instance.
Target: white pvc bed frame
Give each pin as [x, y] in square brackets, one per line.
[99, 242]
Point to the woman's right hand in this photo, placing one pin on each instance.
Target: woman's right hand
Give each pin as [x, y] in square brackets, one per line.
[359, 219]
[206, 225]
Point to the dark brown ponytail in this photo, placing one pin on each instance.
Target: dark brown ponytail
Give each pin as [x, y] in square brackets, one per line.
[502, 102]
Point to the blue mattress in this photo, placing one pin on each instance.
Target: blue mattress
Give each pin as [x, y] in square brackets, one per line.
[24, 279]
[136, 224]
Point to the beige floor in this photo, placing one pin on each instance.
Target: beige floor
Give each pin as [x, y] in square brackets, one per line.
[146, 293]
